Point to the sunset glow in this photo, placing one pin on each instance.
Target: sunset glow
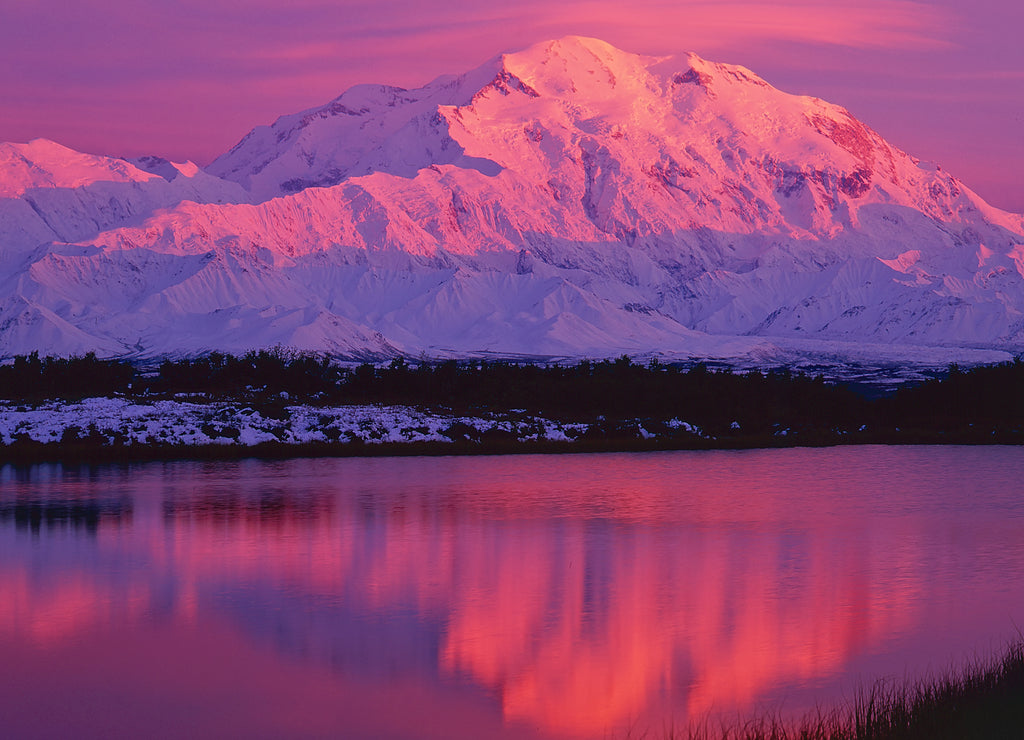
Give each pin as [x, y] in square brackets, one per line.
[577, 629]
[635, 594]
[943, 80]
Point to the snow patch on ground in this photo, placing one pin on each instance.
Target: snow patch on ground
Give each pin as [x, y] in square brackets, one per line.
[200, 422]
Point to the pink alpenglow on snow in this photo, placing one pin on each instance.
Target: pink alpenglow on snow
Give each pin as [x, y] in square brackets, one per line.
[567, 200]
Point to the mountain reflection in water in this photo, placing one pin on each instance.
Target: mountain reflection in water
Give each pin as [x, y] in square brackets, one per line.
[548, 595]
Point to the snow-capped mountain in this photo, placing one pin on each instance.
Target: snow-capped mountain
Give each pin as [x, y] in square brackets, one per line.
[51, 193]
[568, 200]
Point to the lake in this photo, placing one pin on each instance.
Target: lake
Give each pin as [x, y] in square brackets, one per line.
[558, 596]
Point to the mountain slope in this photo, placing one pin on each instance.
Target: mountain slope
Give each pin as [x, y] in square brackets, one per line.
[51, 193]
[567, 200]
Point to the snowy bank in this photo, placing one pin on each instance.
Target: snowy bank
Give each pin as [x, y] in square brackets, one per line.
[121, 421]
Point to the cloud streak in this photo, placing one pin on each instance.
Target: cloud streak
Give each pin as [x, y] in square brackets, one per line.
[134, 40]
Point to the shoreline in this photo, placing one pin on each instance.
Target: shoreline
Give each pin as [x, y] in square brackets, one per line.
[90, 453]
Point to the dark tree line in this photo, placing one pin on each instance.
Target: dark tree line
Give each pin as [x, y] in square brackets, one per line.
[992, 395]
[612, 389]
[32, 378]
[983, 399]
[219, 374]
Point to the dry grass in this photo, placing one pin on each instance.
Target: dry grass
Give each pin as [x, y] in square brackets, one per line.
[983, 701]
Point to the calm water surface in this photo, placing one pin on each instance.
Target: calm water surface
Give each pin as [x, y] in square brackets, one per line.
[525, 596]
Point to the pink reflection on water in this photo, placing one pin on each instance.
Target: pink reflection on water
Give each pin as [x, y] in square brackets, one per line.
[568, 596]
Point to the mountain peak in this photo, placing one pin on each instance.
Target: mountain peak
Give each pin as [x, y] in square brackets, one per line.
[164, 168]
[576, 65]
[42, 163]
[575, 49]
[580, 58]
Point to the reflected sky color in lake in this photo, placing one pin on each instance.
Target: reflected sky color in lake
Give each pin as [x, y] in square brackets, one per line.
[523, 596]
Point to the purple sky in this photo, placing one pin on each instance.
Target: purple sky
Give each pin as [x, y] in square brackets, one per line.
[186, 79]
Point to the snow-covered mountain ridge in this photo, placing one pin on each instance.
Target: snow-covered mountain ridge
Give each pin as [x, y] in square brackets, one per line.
[568, 200]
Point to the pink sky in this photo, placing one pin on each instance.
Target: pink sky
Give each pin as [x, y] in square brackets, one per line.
[186, 79]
